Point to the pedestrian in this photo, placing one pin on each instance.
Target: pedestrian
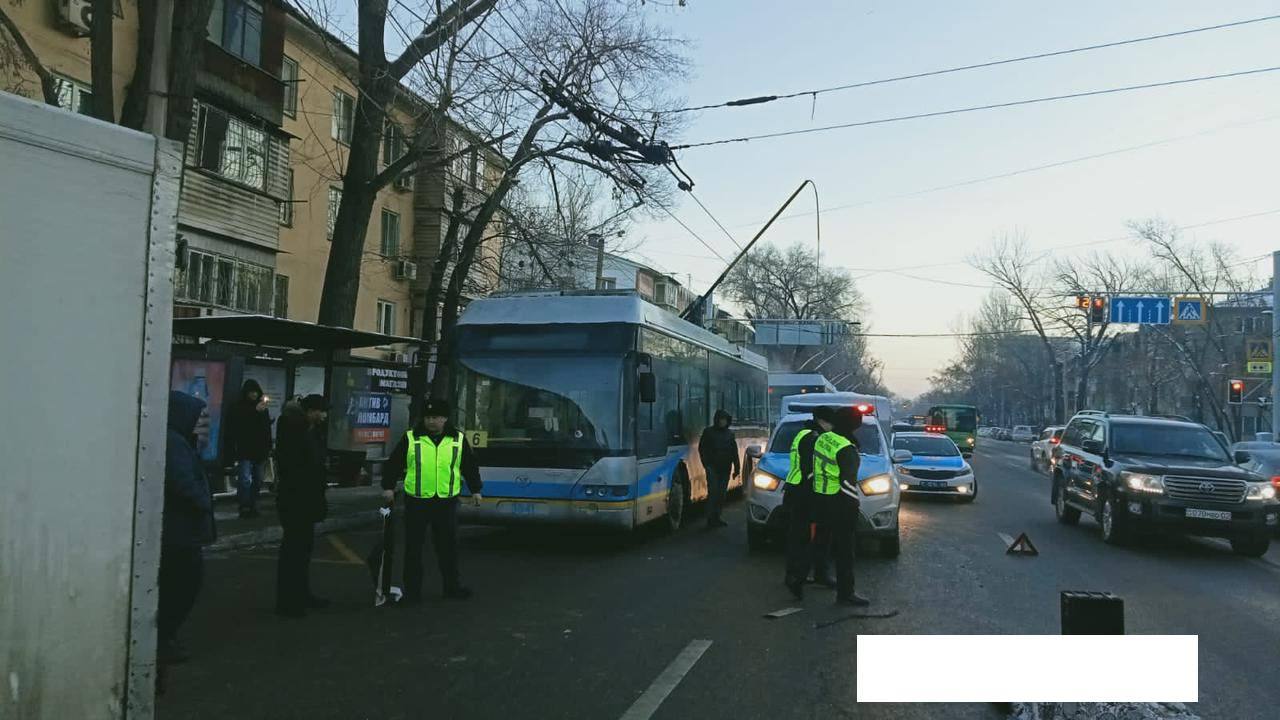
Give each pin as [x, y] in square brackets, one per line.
[430, 464]
[806, 547]
[188, 523]
[249, 444]
[835, 483]
[718, 450]
[300, 501]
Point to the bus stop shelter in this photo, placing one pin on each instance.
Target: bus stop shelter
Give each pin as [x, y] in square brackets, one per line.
[369, 397]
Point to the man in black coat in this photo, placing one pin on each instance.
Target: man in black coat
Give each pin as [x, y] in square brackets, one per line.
[249, 444]
[718, 450]
[807, 546]
[188, 521]
[300, 501]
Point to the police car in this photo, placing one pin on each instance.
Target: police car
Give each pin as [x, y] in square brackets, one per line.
[877, 482]
[936, 466]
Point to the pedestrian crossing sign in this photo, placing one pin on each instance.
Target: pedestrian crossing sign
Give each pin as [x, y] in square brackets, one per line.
[1258, 351]
[1190, 310]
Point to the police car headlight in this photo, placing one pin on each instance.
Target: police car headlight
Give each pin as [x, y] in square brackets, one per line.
[765, 481]
[876, 485]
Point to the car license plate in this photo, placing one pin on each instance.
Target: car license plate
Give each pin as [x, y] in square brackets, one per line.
[1209, 514]
[933, 484]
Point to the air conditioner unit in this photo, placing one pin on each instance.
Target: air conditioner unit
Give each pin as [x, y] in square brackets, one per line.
[406, 270]
[76, 16]
[404, 181]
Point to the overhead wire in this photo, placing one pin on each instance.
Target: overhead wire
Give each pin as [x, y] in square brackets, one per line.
[975, 66]
[976, 108]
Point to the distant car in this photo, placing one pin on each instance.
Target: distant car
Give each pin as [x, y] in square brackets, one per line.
[1023, 433]
[1144, 474]
[936, 466]
[999, 433]
[1042, 448]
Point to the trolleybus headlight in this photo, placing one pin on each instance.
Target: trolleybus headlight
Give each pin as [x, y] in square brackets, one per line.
[877, 485]
[765, 481]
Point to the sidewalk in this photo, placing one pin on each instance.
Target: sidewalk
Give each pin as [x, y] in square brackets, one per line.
[348, 507]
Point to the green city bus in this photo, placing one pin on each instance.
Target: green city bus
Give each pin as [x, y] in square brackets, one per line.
[958, 422]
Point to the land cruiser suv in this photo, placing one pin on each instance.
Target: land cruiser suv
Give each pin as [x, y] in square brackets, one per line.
[1136, 473]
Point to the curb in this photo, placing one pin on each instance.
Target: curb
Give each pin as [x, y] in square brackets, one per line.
[273, 533]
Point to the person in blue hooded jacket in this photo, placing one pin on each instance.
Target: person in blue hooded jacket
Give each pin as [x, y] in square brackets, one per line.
[188, 521]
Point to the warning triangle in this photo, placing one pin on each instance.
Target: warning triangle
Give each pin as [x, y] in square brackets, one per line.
[1022, 546]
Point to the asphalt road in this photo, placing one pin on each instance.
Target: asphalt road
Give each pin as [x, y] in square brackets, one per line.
[581, 625]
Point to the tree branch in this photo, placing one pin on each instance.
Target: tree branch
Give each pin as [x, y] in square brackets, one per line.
[48, 83]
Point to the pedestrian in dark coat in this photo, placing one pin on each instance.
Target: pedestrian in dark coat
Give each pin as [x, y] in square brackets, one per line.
[188, 522]
[807, 546]
[300, 501]
[718, 450]
[249, 444]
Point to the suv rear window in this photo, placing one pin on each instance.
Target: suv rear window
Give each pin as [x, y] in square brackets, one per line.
[1183, 441]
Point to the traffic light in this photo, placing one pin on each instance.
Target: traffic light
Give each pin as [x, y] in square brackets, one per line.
[1235, 392]
[1098, 310]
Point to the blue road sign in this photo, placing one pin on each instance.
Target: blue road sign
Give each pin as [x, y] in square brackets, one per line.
[1141, 310]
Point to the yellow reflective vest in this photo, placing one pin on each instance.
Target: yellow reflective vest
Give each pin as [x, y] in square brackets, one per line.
[826, 471]
[431, 470]
[793, 474]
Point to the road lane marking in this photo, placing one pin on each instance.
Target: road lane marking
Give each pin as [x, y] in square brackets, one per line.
[647, 704]
[782, 613]
[344, 551]
[1008, 541]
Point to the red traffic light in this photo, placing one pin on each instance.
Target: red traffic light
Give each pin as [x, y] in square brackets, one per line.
[1237, 385]
[1098, 303]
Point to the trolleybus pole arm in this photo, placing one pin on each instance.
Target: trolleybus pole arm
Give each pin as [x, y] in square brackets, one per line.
[692, 313]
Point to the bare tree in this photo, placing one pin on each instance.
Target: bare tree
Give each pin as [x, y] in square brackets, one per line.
[1012, 266]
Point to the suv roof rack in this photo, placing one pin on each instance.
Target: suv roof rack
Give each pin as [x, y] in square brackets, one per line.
[1182, 418]
[1103, 413]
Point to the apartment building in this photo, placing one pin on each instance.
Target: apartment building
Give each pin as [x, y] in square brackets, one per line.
[237, 154]
[263, 166]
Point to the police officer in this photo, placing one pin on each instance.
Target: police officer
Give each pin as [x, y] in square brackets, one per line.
[835, 483]
[798, 499]
[429, 464]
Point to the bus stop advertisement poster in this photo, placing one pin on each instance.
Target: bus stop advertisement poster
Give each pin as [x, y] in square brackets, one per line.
[369, 407]
[206, 380]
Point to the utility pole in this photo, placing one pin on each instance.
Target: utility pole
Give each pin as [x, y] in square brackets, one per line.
[1275, 331]
[158, 97]
[599, 258]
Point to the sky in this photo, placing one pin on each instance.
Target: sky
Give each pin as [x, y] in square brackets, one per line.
[1216, 154]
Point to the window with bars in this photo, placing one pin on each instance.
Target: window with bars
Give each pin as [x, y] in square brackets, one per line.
[227, 282]
[289, 76]
[393, 143]
[344, 113]
[232, 147]
[390, 233]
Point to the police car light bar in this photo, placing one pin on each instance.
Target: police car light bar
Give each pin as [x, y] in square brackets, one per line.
[934, 428]
[865, 408]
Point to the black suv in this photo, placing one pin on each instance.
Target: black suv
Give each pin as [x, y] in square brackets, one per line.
[1136, 473]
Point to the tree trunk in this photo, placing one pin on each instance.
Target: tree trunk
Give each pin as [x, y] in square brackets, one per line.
[342, 274]
[190, 24]
[134, 113]
[430, 317]
[101, 61]
[1059, 393]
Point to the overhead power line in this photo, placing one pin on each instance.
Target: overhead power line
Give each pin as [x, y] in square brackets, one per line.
[759, 100]
[977, 108]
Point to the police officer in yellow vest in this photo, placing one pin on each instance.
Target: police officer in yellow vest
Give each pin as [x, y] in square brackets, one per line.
[430, 464]
[835, 485]
[804, 551]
